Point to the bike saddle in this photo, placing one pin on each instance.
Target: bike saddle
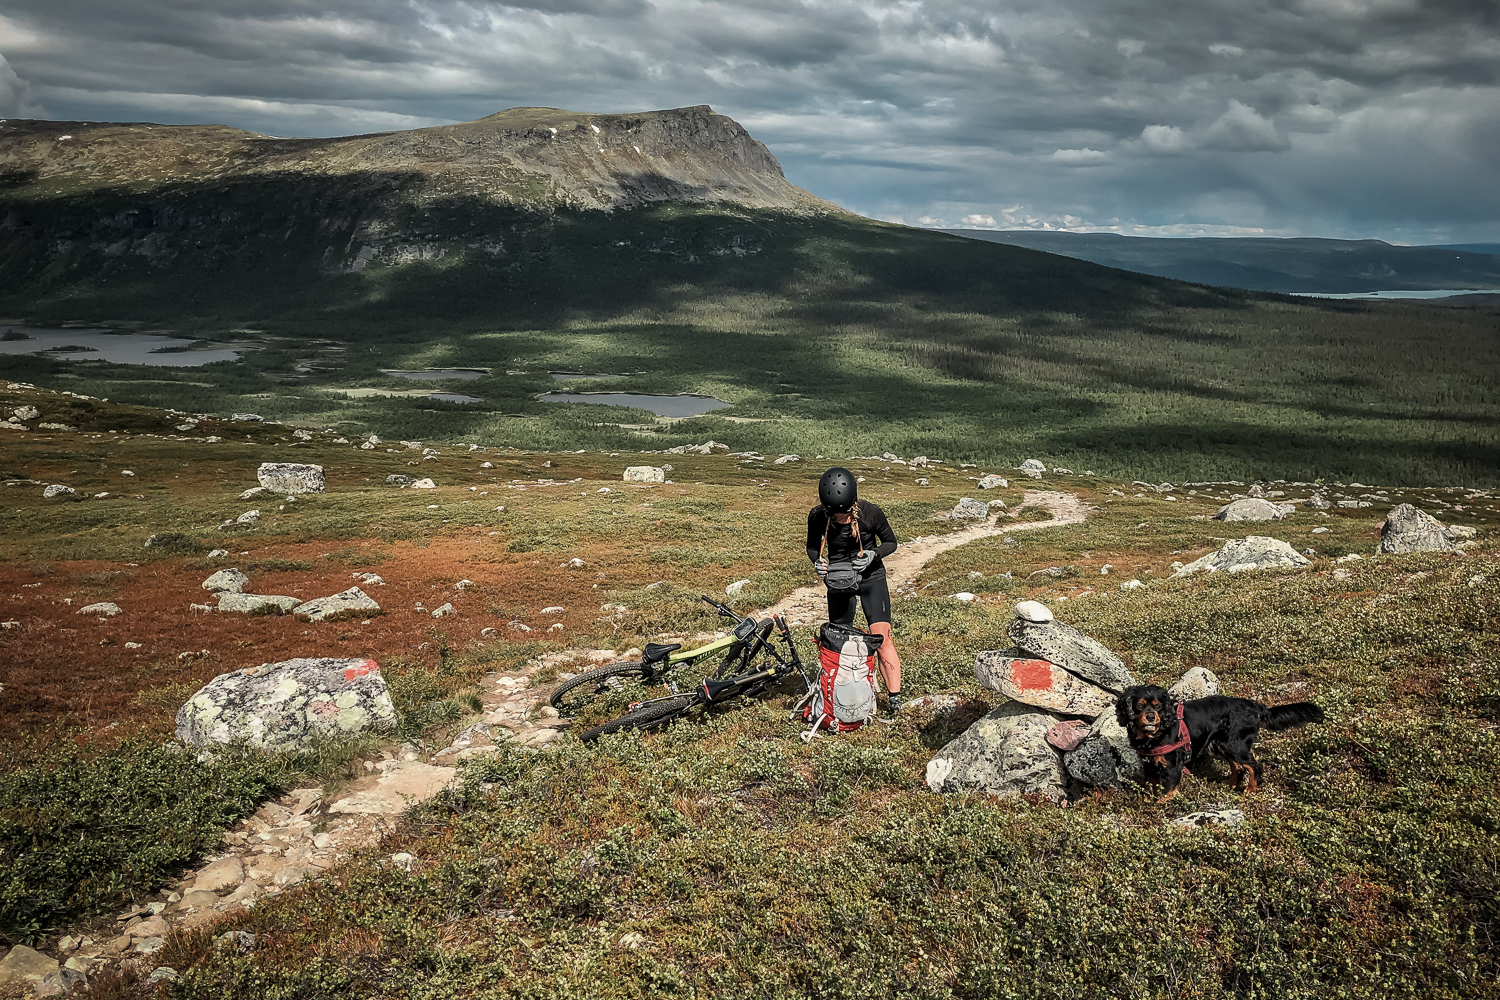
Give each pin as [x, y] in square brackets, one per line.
[712, 688]
[658, 651]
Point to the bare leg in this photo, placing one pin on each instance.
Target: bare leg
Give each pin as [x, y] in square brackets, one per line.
[889, 659]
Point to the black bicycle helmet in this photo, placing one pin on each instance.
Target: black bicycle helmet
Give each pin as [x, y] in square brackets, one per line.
[837, 491]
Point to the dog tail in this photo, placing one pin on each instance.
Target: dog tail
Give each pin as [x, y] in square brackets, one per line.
[1286, 716]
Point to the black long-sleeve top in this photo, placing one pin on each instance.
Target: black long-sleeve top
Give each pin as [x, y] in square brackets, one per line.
[874, 530]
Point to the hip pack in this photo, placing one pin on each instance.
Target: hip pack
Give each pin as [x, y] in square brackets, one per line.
[841, 573]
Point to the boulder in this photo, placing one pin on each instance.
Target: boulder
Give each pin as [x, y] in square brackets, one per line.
[1211, 817]
[107, 608]
[1005, 753]
[25, 967]
[1039, 683]
[290, 478]
[1034, 611]
[1253, 509]
[736, 588]
[58, 490]
[323, 608]
[645, 474]
[1408, 529]
[225, 873]
[424, 484]
[256, 604]
[1033, 467]
[1073, 651]
[1066, 735]
[1104, 758]
[1241, 554]
[992, 481]
[247, 417]
[1199, 682]
[226, 581]
[27, 412]
[280, 705]
[970, 509]
[60, 983]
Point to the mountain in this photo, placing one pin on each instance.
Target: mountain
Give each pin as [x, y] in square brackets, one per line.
[1271, 265]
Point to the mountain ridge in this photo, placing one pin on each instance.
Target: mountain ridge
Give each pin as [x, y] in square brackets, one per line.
[1265, 264]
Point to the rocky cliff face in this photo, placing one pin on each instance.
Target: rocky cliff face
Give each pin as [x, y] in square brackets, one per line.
[80, 201]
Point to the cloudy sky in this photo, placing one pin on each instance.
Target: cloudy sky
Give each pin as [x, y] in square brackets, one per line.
[1345, 118]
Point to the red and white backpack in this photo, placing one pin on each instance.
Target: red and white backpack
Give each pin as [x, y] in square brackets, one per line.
[843, 697]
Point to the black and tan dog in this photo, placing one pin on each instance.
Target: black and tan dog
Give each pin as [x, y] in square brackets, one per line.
[1169, 734]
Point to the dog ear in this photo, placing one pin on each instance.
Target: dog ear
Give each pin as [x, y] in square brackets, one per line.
[1122, 707]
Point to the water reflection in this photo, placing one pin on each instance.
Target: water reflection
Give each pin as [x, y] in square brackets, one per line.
[120, 348]
[570, 376]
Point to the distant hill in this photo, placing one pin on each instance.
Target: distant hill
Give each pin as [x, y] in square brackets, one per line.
[1493, 248]
[1271, 265]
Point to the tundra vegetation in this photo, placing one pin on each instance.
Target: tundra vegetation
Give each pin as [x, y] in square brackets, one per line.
[724, 857]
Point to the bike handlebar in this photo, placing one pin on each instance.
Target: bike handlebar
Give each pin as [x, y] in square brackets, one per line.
[720, 608]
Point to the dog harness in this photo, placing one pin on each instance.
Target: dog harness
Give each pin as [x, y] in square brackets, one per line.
[1184, 741]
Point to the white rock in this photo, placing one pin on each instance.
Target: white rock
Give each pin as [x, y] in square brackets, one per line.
[736, 588]
[555, 609]
[253, 492]
[1131, 585]
[58, 490]
[291, 477]
[938, 769]
[352, 599]
[1034, 611]
[964, 596]
[444, 611]
[644, 474]
[992, 481]
[424, 484]
[242, 603]
[108, 608]
[230, 581]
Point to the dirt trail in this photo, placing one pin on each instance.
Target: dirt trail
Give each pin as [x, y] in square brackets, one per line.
[808, 605]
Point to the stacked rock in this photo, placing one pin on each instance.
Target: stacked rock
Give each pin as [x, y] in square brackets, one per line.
[1059, 727]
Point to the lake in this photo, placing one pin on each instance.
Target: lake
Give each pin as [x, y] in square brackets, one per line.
[1399, 293]
[121, 348]
[663, 406]
[570, 376]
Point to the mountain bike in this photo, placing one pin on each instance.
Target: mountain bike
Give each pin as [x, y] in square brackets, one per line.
[716, 691]
[662, 663]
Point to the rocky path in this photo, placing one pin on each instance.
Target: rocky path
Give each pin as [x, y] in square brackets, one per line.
[309, 830]
[807, 605]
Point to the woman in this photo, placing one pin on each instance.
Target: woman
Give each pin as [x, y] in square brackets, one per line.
[831, 536]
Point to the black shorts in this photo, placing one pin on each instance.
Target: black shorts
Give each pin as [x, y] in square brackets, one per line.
[874, 599]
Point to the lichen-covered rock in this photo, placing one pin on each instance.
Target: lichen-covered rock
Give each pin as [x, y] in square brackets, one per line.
[1005, 753]
[256, 604]
[281, 705]
[25, 967]
[291, 478]
[226, 581]
[970, 509]
[1408, 529]
[1199, 682]
[1105, 757]
[108, 608]
[1032, 465]
[645, 474]
[1253, 509]
[58, 490]
[1037, 682]
[991, 481]
[1241, 554]
[1070, 649]
[26, 412]
[322, 608]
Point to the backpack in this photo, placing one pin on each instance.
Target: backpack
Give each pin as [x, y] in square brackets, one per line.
[843, 697]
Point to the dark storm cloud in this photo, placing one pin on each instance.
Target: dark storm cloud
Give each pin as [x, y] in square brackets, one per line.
[1337, 117]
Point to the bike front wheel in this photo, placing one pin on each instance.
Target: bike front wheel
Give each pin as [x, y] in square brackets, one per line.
[577, 693]
[648, 716]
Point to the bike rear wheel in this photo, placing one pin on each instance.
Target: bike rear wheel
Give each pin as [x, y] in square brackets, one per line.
[648, 716]
[577, 693]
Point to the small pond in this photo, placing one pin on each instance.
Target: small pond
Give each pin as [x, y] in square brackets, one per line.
[433, 374]
[1424, 293]
[453, 397]
[120, 348]
[663, 406]
[570, 376]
